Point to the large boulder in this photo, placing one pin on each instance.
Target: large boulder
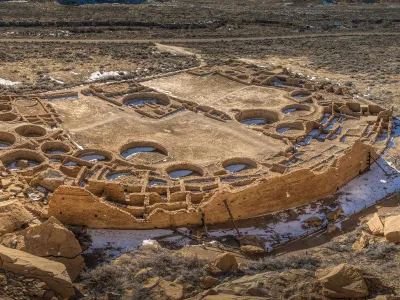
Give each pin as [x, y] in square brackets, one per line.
[54, 274]
[375, 225]
[12, 216]
[392, 229]
[343, 281]
[51, 240]
[226, 262]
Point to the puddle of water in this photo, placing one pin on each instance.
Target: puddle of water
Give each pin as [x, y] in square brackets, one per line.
[117, 175]
[4, 144]
[54, 151]
[236, 168]
[207, 74]
[301, 96]
[322, 137]
[254, 121]
[277, 83]
[92, 157]
[289, 110]
[70, 164]
[343, 139]
[61, 98]
[309, 137]
[129, 153]
[137, 102]
[334, 136]
[324, 120]
[174, 112]
[13, 165]
[339, 130]
[283, 129]
[182, 173]
[156, 182]
[231, 179]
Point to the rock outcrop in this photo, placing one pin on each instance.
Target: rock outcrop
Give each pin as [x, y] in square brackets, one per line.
[343, 281]
[375, 225]
[54, 274]
[12, 216]
[52, 241]
[270, 285]
[392, 229]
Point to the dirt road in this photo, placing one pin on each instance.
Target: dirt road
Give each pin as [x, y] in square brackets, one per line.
[200, 40]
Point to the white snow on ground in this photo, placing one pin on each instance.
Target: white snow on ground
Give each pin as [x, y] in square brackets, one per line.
[358, 194]
[56, 80]
[8, 82]
[98, 75]
[121, 241]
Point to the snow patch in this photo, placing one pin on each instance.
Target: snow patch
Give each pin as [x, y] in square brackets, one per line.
[8, 82]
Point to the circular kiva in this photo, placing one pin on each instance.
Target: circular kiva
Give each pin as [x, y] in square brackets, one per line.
[239, 164]
[31, 131]
[21, 159]
[8, 117]
[183, 170]
[297, 109]
[139, 99]
[94, 155]
[148, 151]
[300, 93]
[26, 102]
[5, 108]
[257, 117]
[55, 148]
[294, 128]
[6, 139]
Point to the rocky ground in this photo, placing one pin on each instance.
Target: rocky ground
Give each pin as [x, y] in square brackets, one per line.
[360, 264]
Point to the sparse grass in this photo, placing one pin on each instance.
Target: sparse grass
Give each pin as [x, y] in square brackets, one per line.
[307, 262]
[120, 276]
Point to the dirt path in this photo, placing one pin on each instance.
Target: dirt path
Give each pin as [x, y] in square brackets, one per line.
[199, 40]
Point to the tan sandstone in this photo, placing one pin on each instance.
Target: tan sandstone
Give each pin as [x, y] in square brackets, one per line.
[375, 225]
[392, 229]
[343, 281]
[12, 216]
[54, 274]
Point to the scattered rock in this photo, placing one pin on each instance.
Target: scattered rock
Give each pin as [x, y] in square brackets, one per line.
[332, 228]
[343, 281]
[252, 250]
[313, 222]
[213, 270]
[363, 242]
[375, 225]
[226, 262]
[207, 282]
[334, 215]
[392, 229]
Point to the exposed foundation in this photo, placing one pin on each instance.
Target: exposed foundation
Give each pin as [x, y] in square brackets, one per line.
[261, 142]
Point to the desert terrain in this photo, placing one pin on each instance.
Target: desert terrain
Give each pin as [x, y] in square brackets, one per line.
[202, 149]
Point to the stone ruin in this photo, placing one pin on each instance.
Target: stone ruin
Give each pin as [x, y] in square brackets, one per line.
[316, 139]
